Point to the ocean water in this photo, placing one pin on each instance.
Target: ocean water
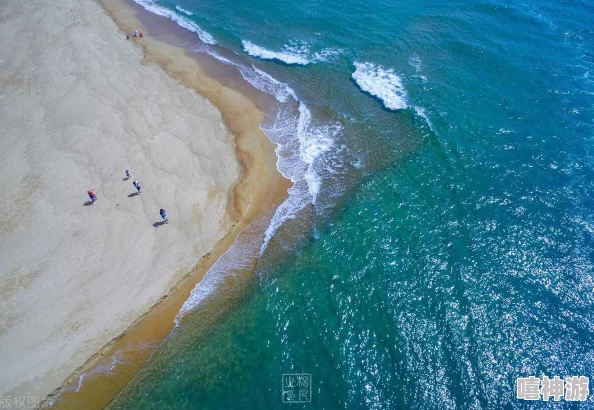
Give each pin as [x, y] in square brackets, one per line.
[438, 242]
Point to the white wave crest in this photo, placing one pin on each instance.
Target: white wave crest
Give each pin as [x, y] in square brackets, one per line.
[259, 79]
[284, 56]
[186, 12]
[266, 83]
[313, 142]
[241, 256]
[326, 54]
[422, 113]
[381, 83]
[302, 145]
[300, 160]
[180, 20]
[292, 53]
[218, 56]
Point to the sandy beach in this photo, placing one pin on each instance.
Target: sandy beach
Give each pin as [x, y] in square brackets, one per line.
[79, 105]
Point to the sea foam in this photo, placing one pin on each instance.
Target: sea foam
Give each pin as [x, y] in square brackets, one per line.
[186, 12]
[117, 359]
[303, 142]
[423, 114]
[266, 83]
[300, 159]
[415, 62]
[179, 19]
[259, 79]
[217, 56]
[381, 83]
[240, 257]
[284, 56]
[295, 52]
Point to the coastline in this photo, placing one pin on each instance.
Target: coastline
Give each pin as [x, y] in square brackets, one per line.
[422, 267]
[256, 189]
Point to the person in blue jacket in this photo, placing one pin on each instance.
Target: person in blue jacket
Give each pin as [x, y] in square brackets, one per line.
[164, 216]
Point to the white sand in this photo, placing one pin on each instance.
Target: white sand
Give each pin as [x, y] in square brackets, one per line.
[76, 108]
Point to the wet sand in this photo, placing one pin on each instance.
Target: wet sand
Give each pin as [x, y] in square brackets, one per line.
[80, 104]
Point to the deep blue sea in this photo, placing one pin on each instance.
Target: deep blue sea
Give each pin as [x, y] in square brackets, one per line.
[438, 242]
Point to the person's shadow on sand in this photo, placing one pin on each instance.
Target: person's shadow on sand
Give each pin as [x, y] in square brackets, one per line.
[133, 194]
[157, 224]
[88, 203]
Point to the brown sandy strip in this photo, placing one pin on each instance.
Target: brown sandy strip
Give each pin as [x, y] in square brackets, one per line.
[259, 187]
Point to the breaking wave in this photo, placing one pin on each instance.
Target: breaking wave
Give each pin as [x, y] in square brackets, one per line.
[423, 114]
[186, 12]
[179, 19]
[292, 53]
[302, 141]
[260, 79]
[241, 256]
[382, 83]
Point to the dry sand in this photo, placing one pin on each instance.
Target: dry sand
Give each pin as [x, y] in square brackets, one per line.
[259, 189]
[76, 109]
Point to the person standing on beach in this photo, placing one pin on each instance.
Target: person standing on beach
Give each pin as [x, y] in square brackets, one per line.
[137, 186]
[128, 176]
[164, 216]
[92, 195]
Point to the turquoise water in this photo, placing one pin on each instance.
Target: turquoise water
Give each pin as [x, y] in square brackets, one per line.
[438, 243]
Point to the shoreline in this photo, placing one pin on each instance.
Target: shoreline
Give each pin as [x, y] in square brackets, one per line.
[259, 188]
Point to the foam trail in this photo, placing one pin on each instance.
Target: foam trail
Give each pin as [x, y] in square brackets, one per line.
[302, 143]
[180, 20]
[381, 83]
[284, 56]
[116, 359]
[260, 80]
[314, 142]
[422, 113]
[326, 54]
[266, 83]
[415, 62]
[186, 12]
[293, 53]
[242, 255]
[218, 56]
[299, 161]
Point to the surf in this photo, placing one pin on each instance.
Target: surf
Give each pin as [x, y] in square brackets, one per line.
[186, 12]
[293, 53]
[179, 19]
[382, 83]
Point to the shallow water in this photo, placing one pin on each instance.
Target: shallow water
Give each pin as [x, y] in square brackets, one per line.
[438, 243]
